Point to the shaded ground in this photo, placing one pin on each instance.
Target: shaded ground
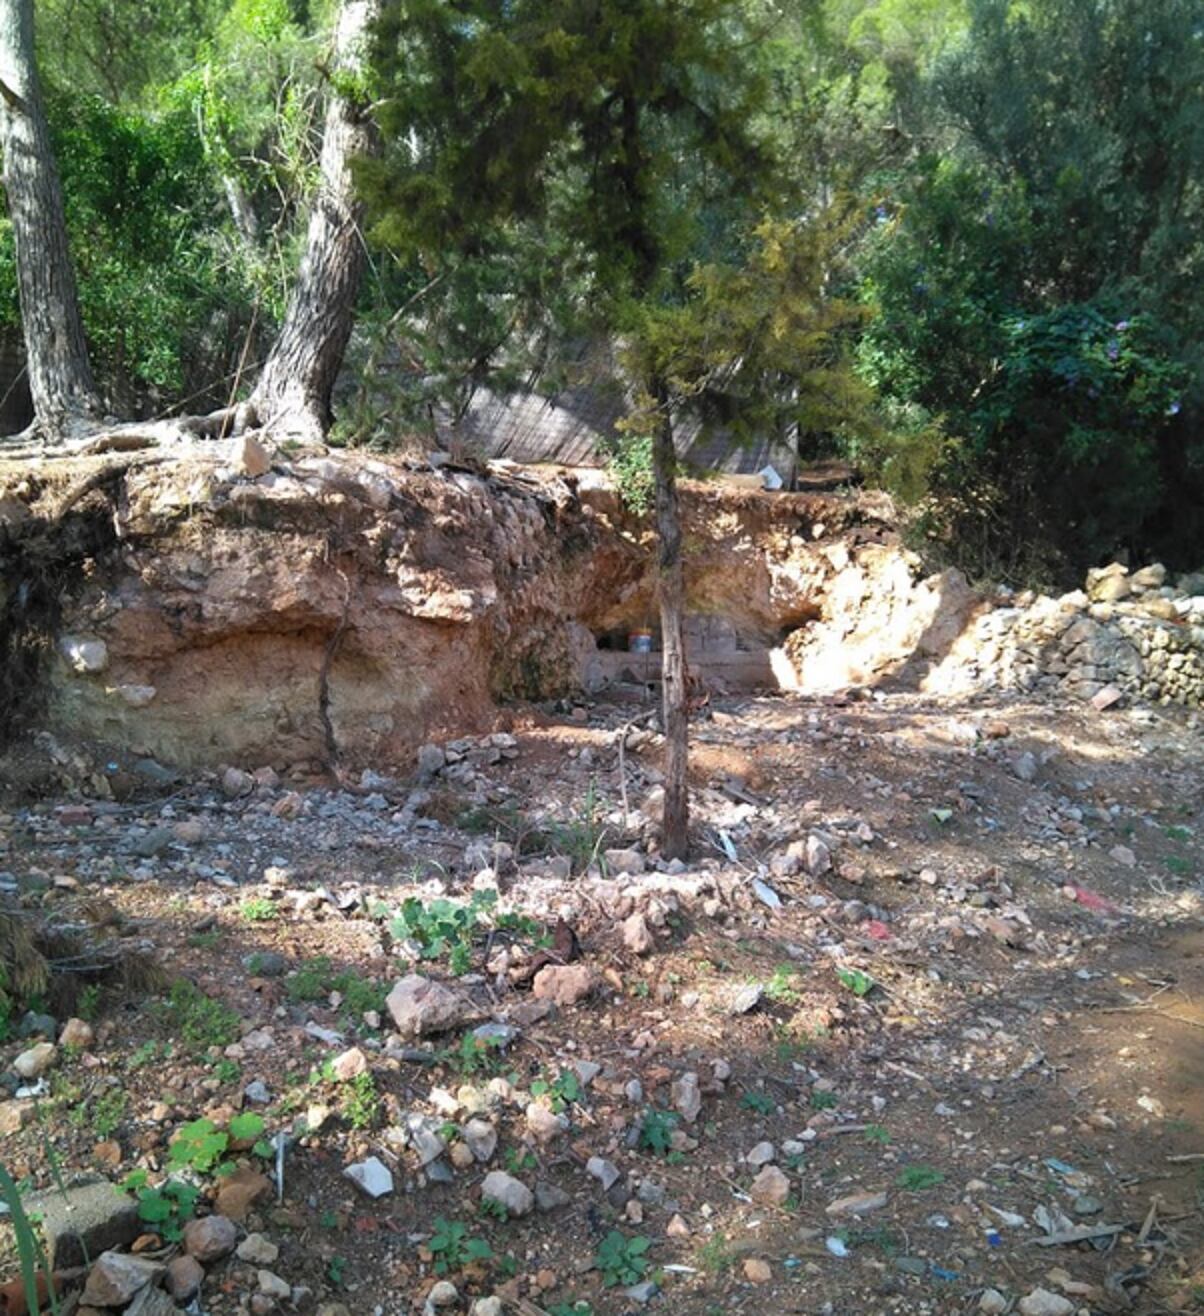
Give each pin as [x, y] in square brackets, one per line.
[1015, 889]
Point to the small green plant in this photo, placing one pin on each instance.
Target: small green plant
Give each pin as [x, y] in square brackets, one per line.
[656, 1131]
[361, 1104]
[88, 1003]
[197, 1146]
[474, 1056]
[496, 1210]
[227, 1071]
[258, 909]
[167, 1208]
[564, 1089]
[144, 1055]
[359, 995]
[1178, 865]
[444, 927]
[715, 1256]
[570, 1308]
[311, 981]
[760, 1102]
[1176, 833]
[580, 839]
[199, 1020]
[781, 986]
[329, 1220]
[641, 989]
[856, 980]
[208, 940]
[518, 1159]
[334, 1271]
[315, 979]
[622, 1260]
[824, 1100]
[918, 1178]
[246, 1127]
[108, 1111]
[452, 1247]
[30, 1256]
[877, 1133]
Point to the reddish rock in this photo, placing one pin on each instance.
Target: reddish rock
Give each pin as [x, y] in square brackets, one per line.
[240, 1191]
[565, 984]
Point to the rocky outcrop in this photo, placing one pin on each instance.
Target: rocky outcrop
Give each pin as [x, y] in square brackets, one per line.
[346, 610]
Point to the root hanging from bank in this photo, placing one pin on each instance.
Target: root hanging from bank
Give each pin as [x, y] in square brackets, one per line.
[49, 957]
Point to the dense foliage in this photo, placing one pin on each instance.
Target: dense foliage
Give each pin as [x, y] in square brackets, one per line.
[958, 241]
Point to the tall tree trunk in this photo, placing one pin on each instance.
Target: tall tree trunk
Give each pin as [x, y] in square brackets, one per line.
[672, 591]
[292, 396]
[65, 399]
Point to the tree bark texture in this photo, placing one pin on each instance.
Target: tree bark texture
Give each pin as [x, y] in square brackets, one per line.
[292, 396]
[64, 393]
[672, 591]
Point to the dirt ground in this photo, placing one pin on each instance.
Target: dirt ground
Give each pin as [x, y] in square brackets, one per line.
[983, 1022]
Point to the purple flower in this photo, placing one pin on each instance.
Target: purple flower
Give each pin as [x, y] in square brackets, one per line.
[1121, 326]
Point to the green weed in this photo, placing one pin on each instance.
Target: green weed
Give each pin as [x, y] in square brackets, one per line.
[918, 1178]
[167, 1208]
[564, 1089]
[622, 1260]
[857, 981]
[781, 986]
[258, 909]
[760, 1102]
[199, 1020]
[453, 1248]
[656, 1131]
[361, 1103]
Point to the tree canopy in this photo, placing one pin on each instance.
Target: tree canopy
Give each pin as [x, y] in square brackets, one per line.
[990, 211]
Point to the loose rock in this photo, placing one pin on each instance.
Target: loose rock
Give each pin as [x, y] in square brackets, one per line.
[508, 1192]
[210, 1239]
[771, 1187]
[564, 984]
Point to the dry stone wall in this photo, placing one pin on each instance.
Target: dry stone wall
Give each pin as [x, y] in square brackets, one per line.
[1131, 632]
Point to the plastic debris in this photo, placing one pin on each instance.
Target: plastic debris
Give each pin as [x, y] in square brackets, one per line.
[766, 894]
[837, 1246]
[1092, 900]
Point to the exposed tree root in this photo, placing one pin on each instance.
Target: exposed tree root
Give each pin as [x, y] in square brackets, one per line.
[51, 955]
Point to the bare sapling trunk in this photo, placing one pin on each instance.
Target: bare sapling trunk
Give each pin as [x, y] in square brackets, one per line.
[292, 397]
[672, 592]
[65, 399]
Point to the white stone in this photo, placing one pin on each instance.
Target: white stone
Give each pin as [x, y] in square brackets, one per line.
[86, 655]
[1041, 1302]
[508, 1192]
[372, 1177]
